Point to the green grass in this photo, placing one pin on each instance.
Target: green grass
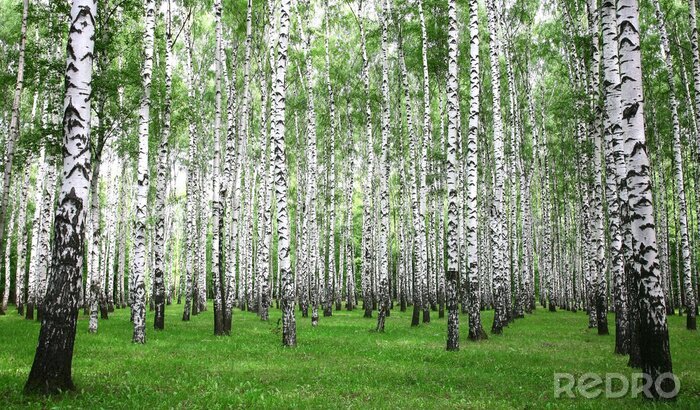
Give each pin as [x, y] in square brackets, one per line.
[342, 363]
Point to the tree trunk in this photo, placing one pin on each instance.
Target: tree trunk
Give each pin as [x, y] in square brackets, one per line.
[476, 331]
[653, 329]
[13, 137]
[383, 250]
[139, 262]
[452, 299]
[498, 232]
[280, 172]
[690, 303]
[51, 369]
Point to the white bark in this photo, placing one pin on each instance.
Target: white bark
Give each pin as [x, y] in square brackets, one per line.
[139, 262]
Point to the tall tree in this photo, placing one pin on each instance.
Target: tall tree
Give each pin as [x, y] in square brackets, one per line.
[476, 331]
[216, 264]
[653, 328]
[678, 171]
[139, 262]
[383, 249]
[280, 171]
[498, 230]
[452, 171]
[161, 181]
[615, 166]
[51, 369]
[13, 137]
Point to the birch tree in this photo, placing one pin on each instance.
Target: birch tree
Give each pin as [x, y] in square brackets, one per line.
[653, 328]
[452, 171]
[13, 136]
[280, 171]
[139, 262]
[51, 369]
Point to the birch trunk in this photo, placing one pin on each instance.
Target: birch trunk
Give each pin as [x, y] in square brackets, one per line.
[21, 249]
[280, 171]
[498, 231]
[191, 229]
[51, 369]
[367, 294]
[13, 137]
[452, 298]
[476, 331]
[383, 251]
[139, 262]
[690, 303]
[423, 197]
[653, 329]
[216, 264]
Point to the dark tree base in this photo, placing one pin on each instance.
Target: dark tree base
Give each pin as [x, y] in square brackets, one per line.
[227, 324]
[159, 319]
[46, 386]
[368, 313]
[477, 334]
[426, 315]
[691, 323]
[104, 312]
[415, 318]
[30, 312]
[635, 360]
[552, 307]
[603, 329]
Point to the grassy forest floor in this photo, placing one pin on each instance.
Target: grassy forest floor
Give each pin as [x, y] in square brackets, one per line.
[340, 364]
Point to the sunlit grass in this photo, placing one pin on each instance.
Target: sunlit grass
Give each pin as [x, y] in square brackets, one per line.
[342, 363]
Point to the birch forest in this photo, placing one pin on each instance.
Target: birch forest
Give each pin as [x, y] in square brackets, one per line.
[348, 203]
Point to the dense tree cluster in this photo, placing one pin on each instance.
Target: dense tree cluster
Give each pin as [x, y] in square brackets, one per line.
[302, 155]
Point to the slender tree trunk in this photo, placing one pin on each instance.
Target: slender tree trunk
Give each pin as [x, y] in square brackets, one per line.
[311, 190]
[598, 240]
[367, 294]
[653, 329]
[43, 243]
[21, 249]
[216, 265]
[191, 229]
[139, 262]
[51, 369]
[8, 244]
[476, 331]
[427, 127]
[498, 231]
[383, 250]
[690, 303]
[280, 168]
[452, 298]
[32, 276]
[13, 137]
[161, 181]
[330, 278]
